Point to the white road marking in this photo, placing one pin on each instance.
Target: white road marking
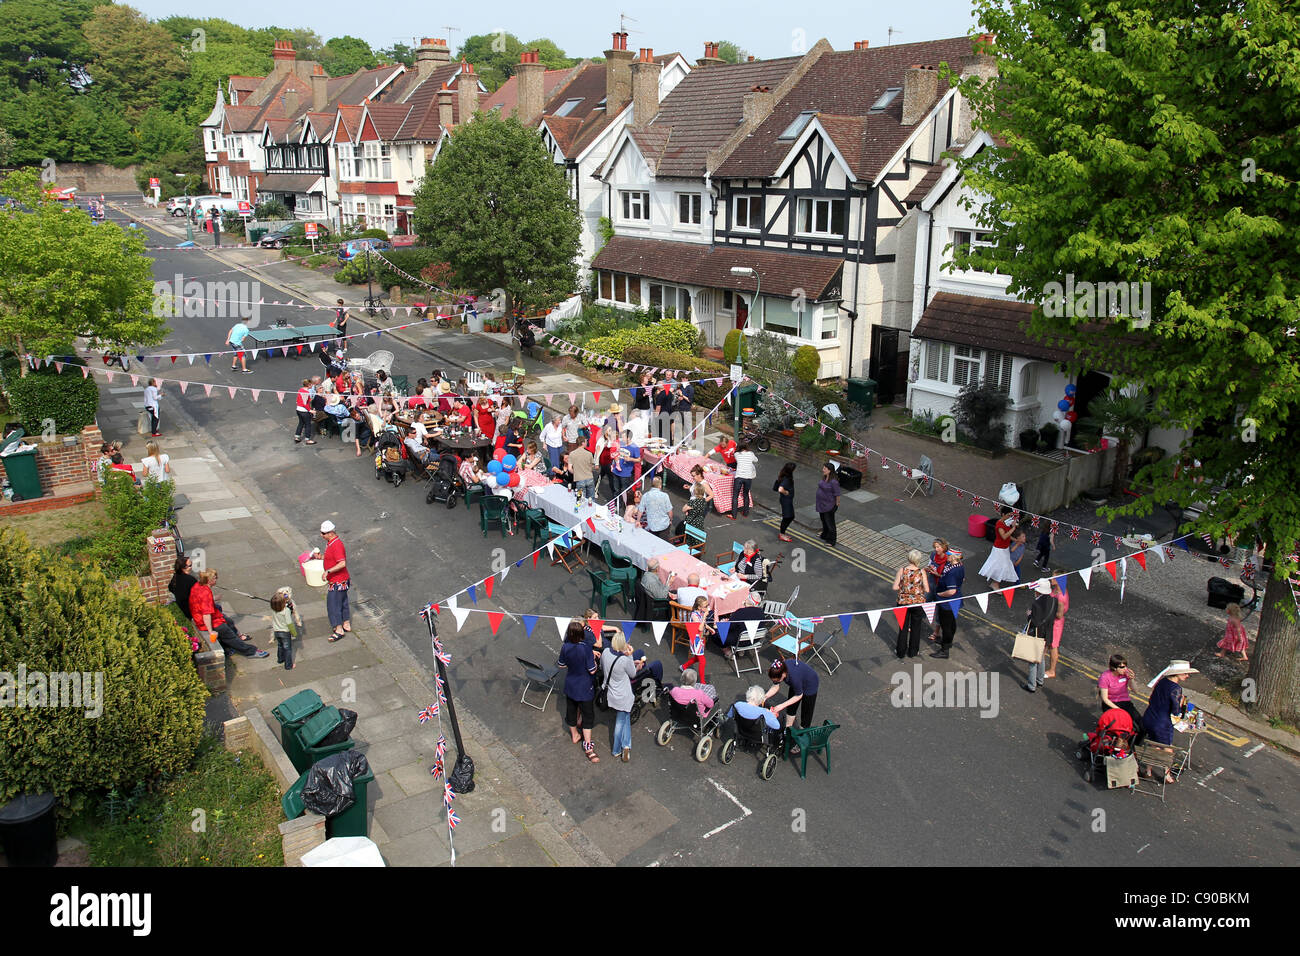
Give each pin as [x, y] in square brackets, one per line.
[1211, 775]
[409, 531]
[1253, 750]
[744, 810]
[1143, 847]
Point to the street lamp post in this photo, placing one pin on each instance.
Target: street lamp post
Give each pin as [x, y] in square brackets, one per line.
[758, 287]
[461, 776]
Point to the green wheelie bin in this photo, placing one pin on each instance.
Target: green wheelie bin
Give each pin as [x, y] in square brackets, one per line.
[20, 467]
[292, 714]
[311, 734]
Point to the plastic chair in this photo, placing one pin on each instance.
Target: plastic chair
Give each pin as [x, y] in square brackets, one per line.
[737, 549]
[473, 493]
[492, 508]
[535, 524]
[620, 569]
[602, 589]
[811, 740]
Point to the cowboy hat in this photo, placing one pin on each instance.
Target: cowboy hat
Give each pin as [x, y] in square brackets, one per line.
[1042, 586]
[1179, 667]
[615, 409]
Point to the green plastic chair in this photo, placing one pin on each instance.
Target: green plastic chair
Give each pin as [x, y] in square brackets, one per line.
[492, 508]
[602, 589]
[812, 740]
[474, 493]
[535, 524]
[621, 570]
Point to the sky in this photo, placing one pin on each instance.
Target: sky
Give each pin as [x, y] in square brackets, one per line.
[765, 28]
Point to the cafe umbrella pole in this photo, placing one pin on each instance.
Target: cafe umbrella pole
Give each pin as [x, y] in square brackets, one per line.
[461, 776]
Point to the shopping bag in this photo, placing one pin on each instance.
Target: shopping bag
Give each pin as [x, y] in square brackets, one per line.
[1028, 648]
[1121, 772]
[143, 425]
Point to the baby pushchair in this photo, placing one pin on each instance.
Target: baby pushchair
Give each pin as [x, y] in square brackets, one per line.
[390, 460]
[1112, 741]
[445, 483]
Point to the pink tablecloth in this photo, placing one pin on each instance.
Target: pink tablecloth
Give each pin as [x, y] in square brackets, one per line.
[722, 598]
[529, 479]
[722, 481]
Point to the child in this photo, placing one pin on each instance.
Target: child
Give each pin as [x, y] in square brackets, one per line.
[1046, 542]
[1017, 552]
[282, 609]
[1234, 638]
[700, 615]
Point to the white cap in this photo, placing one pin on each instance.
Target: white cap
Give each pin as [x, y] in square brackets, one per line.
[326, 527]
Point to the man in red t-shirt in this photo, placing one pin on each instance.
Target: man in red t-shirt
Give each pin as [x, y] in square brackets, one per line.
[727, 449]
[338, 582]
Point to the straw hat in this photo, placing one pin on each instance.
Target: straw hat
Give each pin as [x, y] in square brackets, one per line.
[616, 409]
[444, 387]
[1176, 668]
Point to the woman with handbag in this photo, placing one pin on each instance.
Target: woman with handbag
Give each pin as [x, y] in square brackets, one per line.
[911, 583]
[619, 669]
[1039, 626]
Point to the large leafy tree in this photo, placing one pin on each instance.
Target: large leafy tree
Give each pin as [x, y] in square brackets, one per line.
[496, 55]
[41, 43]
[1155, 141]
[498, 212]
[62, 277]
[132, 58]
[344, 55]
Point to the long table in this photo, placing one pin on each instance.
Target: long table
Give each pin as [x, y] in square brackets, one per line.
[721, 480]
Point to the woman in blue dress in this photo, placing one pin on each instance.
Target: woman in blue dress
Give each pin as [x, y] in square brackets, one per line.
[1166, 700]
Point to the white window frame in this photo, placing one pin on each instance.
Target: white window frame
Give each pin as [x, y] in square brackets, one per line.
[998, 369]
[809, 213]
[694, 204]
[633, 201]
[938, 362]
[751, 202]
[967, 365]
[965, 239]
[386, 160]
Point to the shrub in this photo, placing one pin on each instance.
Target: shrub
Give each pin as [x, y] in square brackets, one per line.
[768, 358]
[1048, 434]
[706, 394]
[232, 224]
[671, 335]
[731, 346]
[413, 261]
[978, 411]
[57, 617]
[806, 364]
[69, 399]
[373, 233]
[119, 548]
[272, 209]
[599, 320]
[352, 273]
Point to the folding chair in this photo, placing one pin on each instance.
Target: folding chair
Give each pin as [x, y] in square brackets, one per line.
[1160, 762]
[542, 676]
[795, 643]
[567, 546]
[677, 632]
[692, 541]
[922, 477]
[515, 382]
[737, 549]
[827, 647]
[745, 644]
[775, 611]
[474, 382]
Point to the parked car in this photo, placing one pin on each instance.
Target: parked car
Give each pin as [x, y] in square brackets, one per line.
[179, 205]
[292, 234]
[348, 251]
[67, 194]
[204, 205]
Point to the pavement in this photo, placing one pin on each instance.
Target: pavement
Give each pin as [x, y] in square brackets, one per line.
[1015, 775]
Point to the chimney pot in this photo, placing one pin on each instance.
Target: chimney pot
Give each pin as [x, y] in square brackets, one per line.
[645, 88]
[751, 58]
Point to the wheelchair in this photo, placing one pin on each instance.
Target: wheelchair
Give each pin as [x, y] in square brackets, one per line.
[687, 717]
[755, 737]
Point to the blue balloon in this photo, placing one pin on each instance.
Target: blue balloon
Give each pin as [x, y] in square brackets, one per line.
[1071, 391]
[494, 467]
[533, 409]
[509, 462]
[1063, 405]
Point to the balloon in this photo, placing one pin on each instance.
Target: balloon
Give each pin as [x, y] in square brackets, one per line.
[1070, 399]
[1070, 391]
[1071, 416]
[490, 481]
[1063, 405]
[508, 462]
[533, 409]
[1058, 416]
[494, 467]
[514, 480]
[499, 454]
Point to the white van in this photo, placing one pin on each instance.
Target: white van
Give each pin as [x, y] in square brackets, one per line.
[205, 203]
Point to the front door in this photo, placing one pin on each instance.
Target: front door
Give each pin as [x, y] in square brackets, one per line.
[742, 313]
[883, 364]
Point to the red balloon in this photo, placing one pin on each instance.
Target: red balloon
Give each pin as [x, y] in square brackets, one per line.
[514, 479]
[1070, 399]
[499, 454]
[1071, 416]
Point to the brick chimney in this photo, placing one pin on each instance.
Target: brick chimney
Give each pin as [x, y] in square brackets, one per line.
[284, 57]
[319, 97]
[710, 57]
[430, 55]
[445, 116]
[645, 88]
[920, 88]
[757, 103]
[618, 74]
[531, 96]
[984, 65]
[467, 91]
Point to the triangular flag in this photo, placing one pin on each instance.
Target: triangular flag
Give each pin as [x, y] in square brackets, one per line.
[488, 583]
[207, 389]
[1061, 580]
[183, 386]
[536, 555]
[255, 351]
[1182, 543]
[1141, 558]
[208, 357]
[628, 628]
[494, 620]
[928, 608]
[284, 350]
[573, 398]
[256, 392]
[873, 618]
[280, 396]
[658, 628]
[547, 398]
[504, 572]
[1009, 594]
[473, 593]
[845, 621]
[451, 603]
[724, 627]
[173, 359]
[231, 389]
[982, 599]
[1111, 570]
[615, 394]
[591, 524]
[751, 628]
[191, 358]
[596, 398]
[900, 614]
[135, 379]
[596, 624]
[460, 613]
[530, 621]
[1086, 574]
[562, 625]
[85, 372]
[110, 377]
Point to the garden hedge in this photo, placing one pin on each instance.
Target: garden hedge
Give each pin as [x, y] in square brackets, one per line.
[69, 399]
[670, 335]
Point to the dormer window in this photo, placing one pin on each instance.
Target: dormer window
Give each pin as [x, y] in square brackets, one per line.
[886, 98]
[568, 107]
[794, 129]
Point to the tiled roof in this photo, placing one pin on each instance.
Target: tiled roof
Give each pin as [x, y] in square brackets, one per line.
[350, 121]
[564, 129]
[421, 94]
[922, 189]
[846, 84]
[588, 118]
[322, 124]
[282, 130]
[506, 97]
[358, 86]
[997, 324]
[388, 118]
[701, 112]
[697, 263]
[289, 182]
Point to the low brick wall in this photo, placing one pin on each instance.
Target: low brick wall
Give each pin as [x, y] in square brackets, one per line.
[66, 460]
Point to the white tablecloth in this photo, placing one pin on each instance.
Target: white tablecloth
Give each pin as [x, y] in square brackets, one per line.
[633, 543]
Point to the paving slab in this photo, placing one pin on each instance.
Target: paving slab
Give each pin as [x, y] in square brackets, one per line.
[387, 754]
[609, 828]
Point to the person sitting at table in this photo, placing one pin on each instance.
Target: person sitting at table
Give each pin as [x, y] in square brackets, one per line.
[462, 414]
[749, 566]
[633, 513]
[703, 696]
[688, 595]
[751, 708]
[650, 589]
[383, 384]
[564, 473]
[514, 445]
[420, 451]
[532, 459]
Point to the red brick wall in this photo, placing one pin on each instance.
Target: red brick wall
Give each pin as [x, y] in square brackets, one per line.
[162, 561]
[67, 460]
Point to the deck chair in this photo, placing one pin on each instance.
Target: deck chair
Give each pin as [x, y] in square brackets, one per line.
[1160, 761]
[737, 549]
[810, 741]
[827, 646]
[567, 546]
[691, 540]
[922, 477]
[542, 676]
[677, 631]
[515, 382]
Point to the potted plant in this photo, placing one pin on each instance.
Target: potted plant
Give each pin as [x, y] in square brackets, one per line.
[1029, 439]
[1049, 436]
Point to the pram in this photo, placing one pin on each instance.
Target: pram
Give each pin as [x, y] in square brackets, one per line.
[752, 735]
[390, 460]
[445, 482]
[1112, 739]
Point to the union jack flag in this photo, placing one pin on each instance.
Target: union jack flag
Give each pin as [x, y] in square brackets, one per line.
[1096, 537]
[1119, 542]
[431, 710]
[424, 611]
[943, 486]
[1056, 526]
[426, 715]
[441, 750]
[1247, 571]
[1225, 562]
[437, 769]
[1169, 552]
[975, 501]
[1209, 542]
[443, 656]
[1074, 532]
[1033, 522]
[448, 795]
[960, 493]
[1015, 516]
[452, 819]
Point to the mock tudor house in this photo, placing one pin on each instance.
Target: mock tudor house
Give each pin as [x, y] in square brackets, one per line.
[797, 169]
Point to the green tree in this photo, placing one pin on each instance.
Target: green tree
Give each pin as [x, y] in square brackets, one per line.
[1154, 142]
[57, 618]
[131, 57]
[342, 56]
[41, 43]
[6, 146]
[62, 277]
[731, 52]
[497, 211]
[494, 55]
[398, 53]
[550, 55]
